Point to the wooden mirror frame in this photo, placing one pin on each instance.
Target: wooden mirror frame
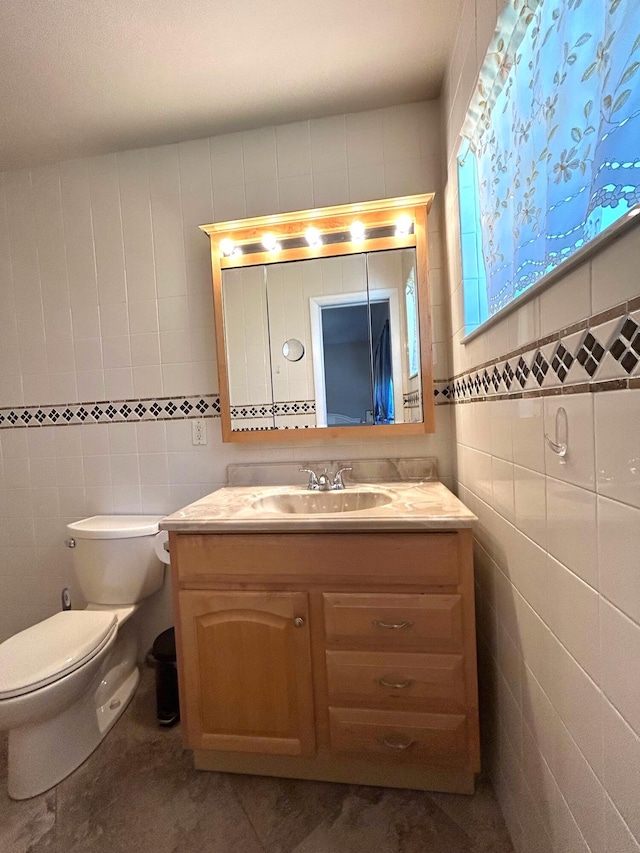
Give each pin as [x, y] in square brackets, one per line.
[382, 213]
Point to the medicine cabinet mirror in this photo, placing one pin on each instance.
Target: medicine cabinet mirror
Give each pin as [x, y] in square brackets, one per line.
[322, 322]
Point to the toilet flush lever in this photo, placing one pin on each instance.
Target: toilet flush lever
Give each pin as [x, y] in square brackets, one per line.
[70, 543]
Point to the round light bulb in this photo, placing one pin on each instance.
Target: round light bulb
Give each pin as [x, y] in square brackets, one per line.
[270, 242]
[357, 232]
[227, 247]
[403, 225]
[313, 236]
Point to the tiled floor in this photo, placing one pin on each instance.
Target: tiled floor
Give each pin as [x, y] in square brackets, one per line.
[138, 792]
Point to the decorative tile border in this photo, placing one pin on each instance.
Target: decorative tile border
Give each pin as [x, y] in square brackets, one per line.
[168, 408]
[265, 410]
[114, 411]
[412, 400]
[598, 354]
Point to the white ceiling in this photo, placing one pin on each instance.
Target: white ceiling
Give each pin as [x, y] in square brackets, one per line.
[82, 77]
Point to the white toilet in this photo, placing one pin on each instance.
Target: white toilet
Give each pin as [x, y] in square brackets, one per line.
[65, 681]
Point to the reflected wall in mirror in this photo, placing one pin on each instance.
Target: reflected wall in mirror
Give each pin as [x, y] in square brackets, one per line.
[331, 339]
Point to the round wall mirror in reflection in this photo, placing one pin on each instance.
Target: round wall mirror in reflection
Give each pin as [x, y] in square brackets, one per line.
[293, 349]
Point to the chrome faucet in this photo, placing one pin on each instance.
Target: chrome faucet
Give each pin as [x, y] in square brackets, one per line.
[325, 482]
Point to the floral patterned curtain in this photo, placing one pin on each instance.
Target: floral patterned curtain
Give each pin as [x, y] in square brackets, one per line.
[555, 127]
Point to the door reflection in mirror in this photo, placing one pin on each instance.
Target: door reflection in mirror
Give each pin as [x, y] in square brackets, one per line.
[349, 315]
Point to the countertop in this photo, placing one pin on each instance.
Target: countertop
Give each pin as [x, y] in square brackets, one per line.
[414, 506]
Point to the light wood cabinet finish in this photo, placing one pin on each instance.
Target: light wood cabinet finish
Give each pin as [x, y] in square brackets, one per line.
[394, 621]
[249, 676]
[402, 680]
[337, 656]
[405, 736]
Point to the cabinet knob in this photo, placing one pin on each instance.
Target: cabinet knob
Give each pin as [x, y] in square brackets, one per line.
[298, 622]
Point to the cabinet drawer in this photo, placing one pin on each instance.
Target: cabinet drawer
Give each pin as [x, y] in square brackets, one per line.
[426, 558]
[396, 680]
[394, 621]
[401, 735]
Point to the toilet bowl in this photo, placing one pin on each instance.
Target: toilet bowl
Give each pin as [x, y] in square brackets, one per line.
[65, 681]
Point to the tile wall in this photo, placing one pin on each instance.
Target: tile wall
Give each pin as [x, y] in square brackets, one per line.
[107, 308]
[557, 544]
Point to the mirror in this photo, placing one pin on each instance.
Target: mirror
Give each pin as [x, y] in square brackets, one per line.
[333, 338]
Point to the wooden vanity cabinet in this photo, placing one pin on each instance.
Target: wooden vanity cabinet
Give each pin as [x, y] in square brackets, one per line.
[337, 656]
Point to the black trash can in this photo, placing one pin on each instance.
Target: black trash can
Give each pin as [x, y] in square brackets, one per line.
[163, 658]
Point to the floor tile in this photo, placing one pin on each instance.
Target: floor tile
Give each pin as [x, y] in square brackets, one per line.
[139, 793]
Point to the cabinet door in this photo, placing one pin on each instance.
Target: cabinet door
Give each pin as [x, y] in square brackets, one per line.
[247, 671]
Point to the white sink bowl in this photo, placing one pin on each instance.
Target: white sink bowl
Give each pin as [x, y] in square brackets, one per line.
[311, 503]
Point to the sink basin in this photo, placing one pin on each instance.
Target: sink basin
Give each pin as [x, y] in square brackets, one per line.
[308, 503]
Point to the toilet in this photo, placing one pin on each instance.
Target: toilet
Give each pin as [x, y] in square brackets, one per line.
[65, 681]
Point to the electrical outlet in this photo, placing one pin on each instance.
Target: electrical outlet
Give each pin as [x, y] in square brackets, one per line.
[198, 431]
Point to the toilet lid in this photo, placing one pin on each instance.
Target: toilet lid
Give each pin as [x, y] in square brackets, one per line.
[52, 648]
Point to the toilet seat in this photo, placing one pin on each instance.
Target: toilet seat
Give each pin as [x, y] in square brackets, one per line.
[52, 649]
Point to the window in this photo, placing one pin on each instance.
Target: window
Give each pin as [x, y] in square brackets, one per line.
[552, 152]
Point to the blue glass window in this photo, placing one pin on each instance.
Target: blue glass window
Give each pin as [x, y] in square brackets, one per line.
[554, 140]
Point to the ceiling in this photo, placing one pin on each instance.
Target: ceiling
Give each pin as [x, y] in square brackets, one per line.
[82, 78]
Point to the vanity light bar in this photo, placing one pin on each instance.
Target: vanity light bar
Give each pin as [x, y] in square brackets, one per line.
[302, 241]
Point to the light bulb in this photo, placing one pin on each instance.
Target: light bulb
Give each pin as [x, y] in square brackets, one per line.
[404, 225]
[270, 242]
[313, 237]
[227, 247]
[357, 232]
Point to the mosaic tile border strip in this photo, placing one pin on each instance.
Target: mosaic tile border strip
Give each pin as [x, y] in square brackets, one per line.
[158, 409]
[412, 400]
[112, 411]
[265, 410]
[598, 354]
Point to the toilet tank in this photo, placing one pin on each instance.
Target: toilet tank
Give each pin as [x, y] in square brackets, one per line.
[114, 557]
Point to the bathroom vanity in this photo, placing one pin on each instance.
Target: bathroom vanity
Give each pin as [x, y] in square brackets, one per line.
[328, 643]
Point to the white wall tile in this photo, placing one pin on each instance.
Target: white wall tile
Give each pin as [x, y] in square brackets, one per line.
[571, 605]
[620, 644]
[566, 301]
[330, 187]
[617, 441]
[503, 496]
[614, 272]
[622, 767]
[328, 144]
[259, 155]
[618, 835]
[572, 529]
[293, 149]
[227, 168]
[531, 504]
[528, 434]
[618, 550]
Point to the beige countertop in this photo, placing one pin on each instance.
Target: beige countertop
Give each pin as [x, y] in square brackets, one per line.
[411, 506]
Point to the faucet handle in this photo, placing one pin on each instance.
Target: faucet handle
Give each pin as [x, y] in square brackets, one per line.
[337, 477]
[313, 478]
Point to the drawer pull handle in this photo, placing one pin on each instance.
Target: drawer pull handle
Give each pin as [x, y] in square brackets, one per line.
[397, 745]
[393, 625]
[395, 685]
